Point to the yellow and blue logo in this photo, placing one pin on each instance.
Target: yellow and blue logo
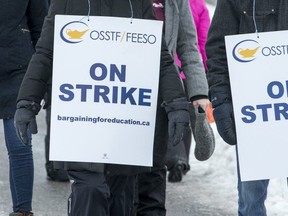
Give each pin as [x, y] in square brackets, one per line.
[246, 50]
[73, 32]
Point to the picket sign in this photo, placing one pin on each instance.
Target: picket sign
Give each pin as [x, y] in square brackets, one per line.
[258, 71]
[105, 87]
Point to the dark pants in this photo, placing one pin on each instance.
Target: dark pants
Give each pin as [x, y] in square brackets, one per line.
[52, 172]
[150, 187]
[151, 193]
[131, 200]
[94, 194]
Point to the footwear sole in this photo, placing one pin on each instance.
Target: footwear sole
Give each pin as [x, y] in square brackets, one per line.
[204, 138]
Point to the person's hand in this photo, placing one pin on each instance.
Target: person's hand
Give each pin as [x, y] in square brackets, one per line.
[224, 119]
[203, 103]
[25, 118]
[179, 118]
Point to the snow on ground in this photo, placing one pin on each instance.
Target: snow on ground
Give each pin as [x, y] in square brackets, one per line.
[219, 174]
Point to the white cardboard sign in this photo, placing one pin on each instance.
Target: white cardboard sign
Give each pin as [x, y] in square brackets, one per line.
[105, 86]
[258, 71]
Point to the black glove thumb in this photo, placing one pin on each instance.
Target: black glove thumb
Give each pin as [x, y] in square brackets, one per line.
[33, 126]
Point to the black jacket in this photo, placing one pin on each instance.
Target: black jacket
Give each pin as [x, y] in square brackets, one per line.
[40, 69]
[20, 27]
[238, 18]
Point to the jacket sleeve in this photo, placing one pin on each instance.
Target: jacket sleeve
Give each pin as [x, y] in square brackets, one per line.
[39, 72]
[36, 12]
[187, 51]
[170, 86]
[225, 22]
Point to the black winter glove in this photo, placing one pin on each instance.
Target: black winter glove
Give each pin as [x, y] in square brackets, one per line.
[224, 119]
[25, 118]
[178, 116]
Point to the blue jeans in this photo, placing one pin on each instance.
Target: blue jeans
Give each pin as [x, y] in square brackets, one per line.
[21, 168]
[251, 196]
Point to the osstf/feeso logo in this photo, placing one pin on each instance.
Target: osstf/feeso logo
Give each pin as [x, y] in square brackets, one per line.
[245, 51]
[73, 32]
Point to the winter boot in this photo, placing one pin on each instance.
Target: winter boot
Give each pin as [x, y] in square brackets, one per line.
[21, 213]
[56, 174]
[176, 173]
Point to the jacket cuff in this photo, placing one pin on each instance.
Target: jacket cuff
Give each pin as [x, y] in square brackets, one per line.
[30, 105]
[198, 97]
[218, 97]
[176, 104]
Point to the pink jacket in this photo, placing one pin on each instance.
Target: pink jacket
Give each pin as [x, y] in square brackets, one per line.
[202, 23]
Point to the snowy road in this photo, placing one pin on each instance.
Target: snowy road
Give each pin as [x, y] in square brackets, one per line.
[209, 189]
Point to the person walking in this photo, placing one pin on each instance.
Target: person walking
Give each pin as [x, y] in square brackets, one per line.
[232, 18]
[20, 27]
[178, 157]
[98, 189]
[202, 21]
[53, 173]
[181, 38]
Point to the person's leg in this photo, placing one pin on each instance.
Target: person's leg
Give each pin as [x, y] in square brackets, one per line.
[21, 168]
[118, 204]
[152, 193]
[52, 173]
[177, 159]
[90, 194]
[251, 196]
[131, 198]
[152, 185]
[96, 194]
